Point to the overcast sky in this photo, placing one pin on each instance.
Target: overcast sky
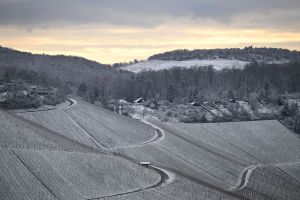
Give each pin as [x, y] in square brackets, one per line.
[120, 30]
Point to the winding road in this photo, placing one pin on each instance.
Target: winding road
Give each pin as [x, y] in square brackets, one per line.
[159, 135]
[165, 179]
[166, 176]
[244, 178]
[71, 103]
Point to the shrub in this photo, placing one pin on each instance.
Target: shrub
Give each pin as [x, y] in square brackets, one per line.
[289, 109]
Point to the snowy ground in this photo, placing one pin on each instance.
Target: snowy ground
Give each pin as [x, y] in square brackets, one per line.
[157, 65]
[188, 161]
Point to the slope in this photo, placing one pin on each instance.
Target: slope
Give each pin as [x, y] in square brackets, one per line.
[157, 65]
[93, 126]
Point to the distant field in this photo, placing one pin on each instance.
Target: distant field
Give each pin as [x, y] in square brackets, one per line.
[291, 169]
[260, 141]
[61, 175]
[18, 133]
[93, 126]
[218, 152]
[156, 65]
[180, 188]
[271, 182]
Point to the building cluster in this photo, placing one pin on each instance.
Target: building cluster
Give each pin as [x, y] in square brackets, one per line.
[18, 90]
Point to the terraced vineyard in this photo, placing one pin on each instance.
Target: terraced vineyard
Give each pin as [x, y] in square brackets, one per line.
[60, 122]
[252, 140]
[80, 151]
[19, 133]
[219, 152]
[93, 126]
[272, 183]
[291, 169]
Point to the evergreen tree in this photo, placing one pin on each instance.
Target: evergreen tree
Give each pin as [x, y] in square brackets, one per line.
[297, 123]
[170, 93]
[82, 88]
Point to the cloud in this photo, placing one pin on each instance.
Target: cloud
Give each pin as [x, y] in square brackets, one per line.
[111, 44]
[119, 30]
[145, 13]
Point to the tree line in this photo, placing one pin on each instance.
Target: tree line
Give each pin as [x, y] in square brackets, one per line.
[260, 81]
[256, 83]
[247, 54]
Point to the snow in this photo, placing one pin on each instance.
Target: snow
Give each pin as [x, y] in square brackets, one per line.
[171, 176]
[50, 175]
[90, 125]
[19, 134]
[218, 152]
[17, 181]
[273, 182]
[248, 170]
[278, 62]
[157, 65]
[292, 169]
[214, 152]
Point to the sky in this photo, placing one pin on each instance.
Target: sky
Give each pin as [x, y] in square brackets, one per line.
[111, 31]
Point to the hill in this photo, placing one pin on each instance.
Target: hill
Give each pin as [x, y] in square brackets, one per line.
[38, 163]
[80, 151]
[217, 58]
[92, 125]
[63, 68]
[157, 65]
[246, 54]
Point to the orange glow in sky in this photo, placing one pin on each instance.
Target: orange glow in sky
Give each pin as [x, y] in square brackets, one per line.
[109, 45]
[111, 31]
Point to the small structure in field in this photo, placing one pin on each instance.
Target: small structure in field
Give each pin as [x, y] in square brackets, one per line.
[139, 100]
[205, 103]
[145, 164]
[196, 104]
[232, 100]
[122, 101]
[123, 107]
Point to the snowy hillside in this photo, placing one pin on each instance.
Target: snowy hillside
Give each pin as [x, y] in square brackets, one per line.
[81, 151]
[157, 65]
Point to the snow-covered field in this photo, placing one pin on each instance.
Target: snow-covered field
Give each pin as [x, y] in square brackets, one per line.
[35, 175]
[263, 141]
[292, 169]
[156, 65]
[93, 126]
[273, 182]
[85, 152]
[19, 133]
[218, 152]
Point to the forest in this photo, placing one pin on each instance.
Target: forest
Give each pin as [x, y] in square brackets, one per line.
[247, 54]
[261, 81]
[262, 86]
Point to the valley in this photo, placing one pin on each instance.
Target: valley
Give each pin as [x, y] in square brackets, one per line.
[81, 151]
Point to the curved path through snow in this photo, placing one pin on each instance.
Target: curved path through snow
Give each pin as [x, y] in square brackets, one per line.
[244, 178]
[158, 136]
[69, 104]
[247, 172]
[166, 176]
